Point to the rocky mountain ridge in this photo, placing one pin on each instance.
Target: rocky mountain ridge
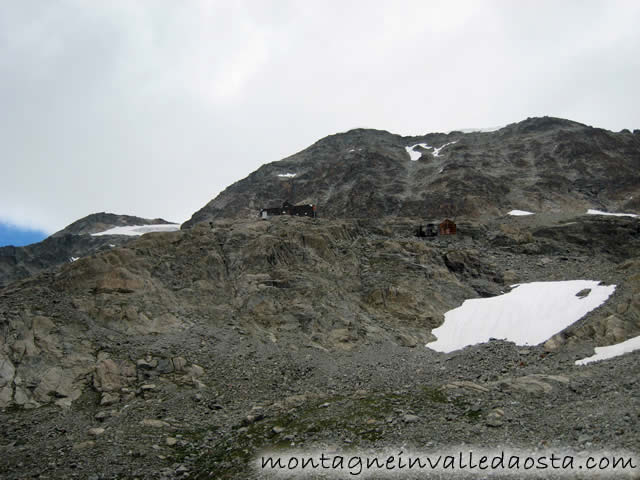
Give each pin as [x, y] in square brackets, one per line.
[540, 165]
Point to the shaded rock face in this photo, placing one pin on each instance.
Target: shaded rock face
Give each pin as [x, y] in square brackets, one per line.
[62, 247]
[540, 164]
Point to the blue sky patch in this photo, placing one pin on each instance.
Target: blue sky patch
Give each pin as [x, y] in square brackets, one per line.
[18, 236]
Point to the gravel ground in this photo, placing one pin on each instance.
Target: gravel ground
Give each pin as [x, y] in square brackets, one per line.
[382, 397]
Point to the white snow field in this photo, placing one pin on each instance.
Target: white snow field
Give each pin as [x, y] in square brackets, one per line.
[605, 353]
[598, 212]
[519, 213]
[287, 175]
[529, 314]
[139, 229]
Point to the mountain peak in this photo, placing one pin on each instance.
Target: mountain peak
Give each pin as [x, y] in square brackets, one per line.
[541, 163]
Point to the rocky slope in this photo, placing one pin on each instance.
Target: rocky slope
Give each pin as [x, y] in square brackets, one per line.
[540, 164]
[74, 241]
[186, 353]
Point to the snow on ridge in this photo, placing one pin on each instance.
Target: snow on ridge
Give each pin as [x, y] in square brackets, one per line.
[611, 351]
[598, 212]
[481, 130]
[416, 155]
[528, 315]
[133, 230]
[519, 213]
[287, 175]
[436, 151]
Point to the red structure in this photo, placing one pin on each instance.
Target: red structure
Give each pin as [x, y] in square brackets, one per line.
[447, 227]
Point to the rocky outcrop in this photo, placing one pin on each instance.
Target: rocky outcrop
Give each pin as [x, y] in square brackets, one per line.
[328, 284]
[38, 365]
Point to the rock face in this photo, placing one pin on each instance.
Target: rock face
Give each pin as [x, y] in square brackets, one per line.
[62, 247]
[540, 164]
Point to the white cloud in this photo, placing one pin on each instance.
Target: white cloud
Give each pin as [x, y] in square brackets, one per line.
[107, 106]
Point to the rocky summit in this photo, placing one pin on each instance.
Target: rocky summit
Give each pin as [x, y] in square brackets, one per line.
[188, 354]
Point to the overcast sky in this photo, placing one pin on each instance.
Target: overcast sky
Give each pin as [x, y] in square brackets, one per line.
[152, 108]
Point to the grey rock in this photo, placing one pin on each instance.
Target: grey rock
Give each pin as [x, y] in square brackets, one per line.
[109, 399]
[410, 418]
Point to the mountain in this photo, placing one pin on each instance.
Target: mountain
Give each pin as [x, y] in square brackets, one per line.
[72, 242]
[100, 222]
[191, 353]
[540, 164]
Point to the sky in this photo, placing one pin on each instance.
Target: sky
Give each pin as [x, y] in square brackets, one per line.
[151, 108]
[19, 236]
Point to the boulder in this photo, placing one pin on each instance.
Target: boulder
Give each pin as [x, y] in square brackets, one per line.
[57, 384]
[111, 375]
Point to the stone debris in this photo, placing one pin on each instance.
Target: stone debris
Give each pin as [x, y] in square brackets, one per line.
[151, 422]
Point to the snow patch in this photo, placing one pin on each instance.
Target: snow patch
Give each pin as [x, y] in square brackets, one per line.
[611, 351]
[416, 155]
[436, 151]
[598, 212]
[528, 315]
[133, 230]
[519, 213]
[287, 175]
[73, 259]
